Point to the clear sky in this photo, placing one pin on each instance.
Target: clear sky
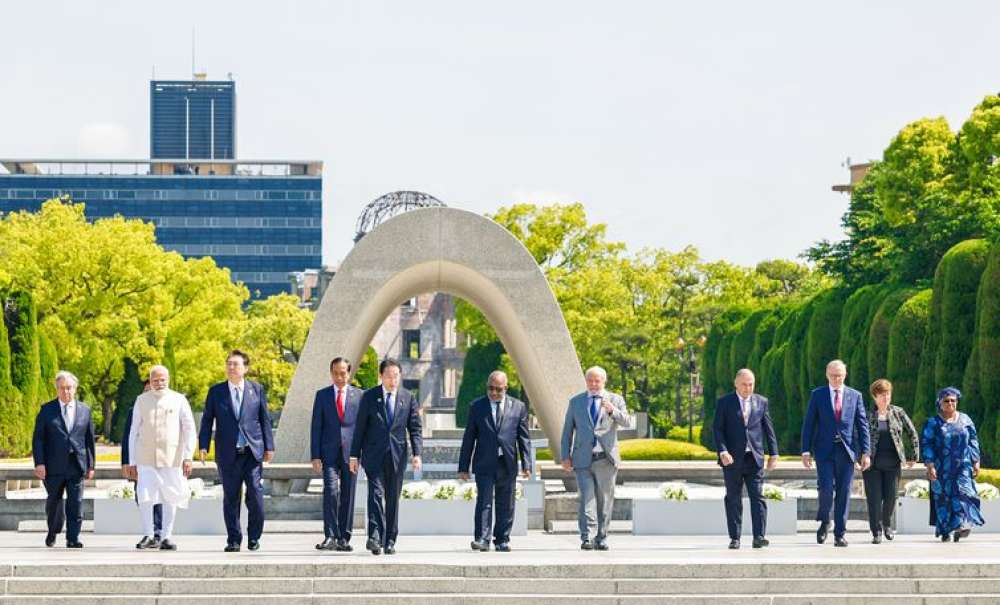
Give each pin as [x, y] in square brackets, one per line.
[718, 124]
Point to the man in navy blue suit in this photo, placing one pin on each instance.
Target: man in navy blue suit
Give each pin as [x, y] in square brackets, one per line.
[243, 442]
[835, 435]
[387, 416]
[497, 433]
[157, 508]
[335, 411]
[742, 428]
[63, 449]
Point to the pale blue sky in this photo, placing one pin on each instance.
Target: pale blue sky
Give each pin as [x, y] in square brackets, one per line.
[718, 124]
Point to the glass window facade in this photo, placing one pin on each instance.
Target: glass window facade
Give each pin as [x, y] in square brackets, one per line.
[260, 227]
[192, 119]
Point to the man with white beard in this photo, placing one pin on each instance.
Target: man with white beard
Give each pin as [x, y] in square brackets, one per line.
[161, 444]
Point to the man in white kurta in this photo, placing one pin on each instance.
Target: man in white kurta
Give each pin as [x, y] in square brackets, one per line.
[161, 445]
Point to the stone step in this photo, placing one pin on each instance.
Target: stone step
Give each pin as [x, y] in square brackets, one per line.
[49, 586]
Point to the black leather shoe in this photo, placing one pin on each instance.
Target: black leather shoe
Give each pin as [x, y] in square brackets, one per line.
[946, 538]
[50, 540]
[480, 545]
[390, 548]
[821, 533]
[840, 542]
[761, 542]
[327, 544]
[343, 546]
[602, 545]
[503, 547]
[734, 545]
[148, 543]
[374, 547]
[167, 545]
[232, 547]
[253, 545]
[876, 538]
[889, 535]
[962, 533]
[586, 545]
[76, 544]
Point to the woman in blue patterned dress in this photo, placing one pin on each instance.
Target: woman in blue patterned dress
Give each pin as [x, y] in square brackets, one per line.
[951, 453]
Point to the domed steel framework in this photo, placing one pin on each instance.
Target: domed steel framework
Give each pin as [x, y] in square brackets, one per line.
[389, 205]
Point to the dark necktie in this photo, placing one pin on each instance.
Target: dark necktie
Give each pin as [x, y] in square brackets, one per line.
[389, 411]
[594, 409]
[837, 406]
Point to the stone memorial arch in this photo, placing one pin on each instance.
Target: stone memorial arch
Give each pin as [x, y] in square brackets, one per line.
[437, 250]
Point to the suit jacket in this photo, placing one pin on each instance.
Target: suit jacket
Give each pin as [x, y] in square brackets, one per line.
[330, 438]
[374, 439]
[254, 421]
[899, 423]
[579, 430]
[125, 434]
[482, 437]
[53, 445]
[732, 434]
[819, 427]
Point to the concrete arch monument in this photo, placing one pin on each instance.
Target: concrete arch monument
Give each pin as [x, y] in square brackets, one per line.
[437, 250]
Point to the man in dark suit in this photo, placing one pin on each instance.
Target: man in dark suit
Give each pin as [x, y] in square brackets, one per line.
[497, 431]
[64, 453]
[335, 411]
[387, 414]
[835, 434]
[243, 442]
[157, 508]
[741, 427]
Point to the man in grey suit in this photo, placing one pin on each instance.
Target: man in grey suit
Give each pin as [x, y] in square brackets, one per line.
[589, 447]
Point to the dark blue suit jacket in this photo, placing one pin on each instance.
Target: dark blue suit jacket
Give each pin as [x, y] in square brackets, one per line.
[482, 438]
[330, 438]
[254, 420]
[125, 434]
[52, 445]
[820, 426]
[374, 439]
[731, 433]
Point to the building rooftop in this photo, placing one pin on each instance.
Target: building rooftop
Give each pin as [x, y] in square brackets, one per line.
[162, 167]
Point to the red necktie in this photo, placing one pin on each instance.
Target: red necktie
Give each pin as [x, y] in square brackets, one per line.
[837, 408]
[340, 404]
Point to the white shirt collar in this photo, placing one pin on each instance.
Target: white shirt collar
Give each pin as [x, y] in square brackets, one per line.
[386, 392]
[241, 386]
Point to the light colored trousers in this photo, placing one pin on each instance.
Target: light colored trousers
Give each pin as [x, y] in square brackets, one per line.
[596, 488]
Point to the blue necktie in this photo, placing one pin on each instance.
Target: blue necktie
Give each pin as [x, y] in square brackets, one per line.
[388, 408]
[241, 440]
[594, 410]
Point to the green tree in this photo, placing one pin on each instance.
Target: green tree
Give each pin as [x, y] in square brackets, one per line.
[366, 376]
[276, 331]
[983, 376]
[480, 360]
[881, 326]
[906, 339]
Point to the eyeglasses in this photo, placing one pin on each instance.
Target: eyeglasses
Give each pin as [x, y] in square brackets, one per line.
[496, 388]
[949, 400]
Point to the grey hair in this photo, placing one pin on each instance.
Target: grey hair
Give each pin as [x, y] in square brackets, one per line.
[837, 363]
[597, 370]
[64, 375]
[744, 372]
[497, 374]
[158, 368]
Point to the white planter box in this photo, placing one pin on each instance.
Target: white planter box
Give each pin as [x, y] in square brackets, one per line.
[913, 516]
[202, 516]
[656, 516]
[450, 517]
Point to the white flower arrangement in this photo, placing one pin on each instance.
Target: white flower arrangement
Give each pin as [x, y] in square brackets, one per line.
[918, 488]
[771, 491]
[416, 490]
[987, 491]
[124, 491]
[673, 490]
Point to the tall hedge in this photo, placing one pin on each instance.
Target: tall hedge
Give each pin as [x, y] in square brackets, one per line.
[22, 326]
[772, 387]
[48, 362]
[480, 361]
[793, 368]
[716, 351]
[764, 338]
[853, 346]
[880, 328]
[129, 387]
[906, 340]
[823, 335]
[10, 398]
[743, 340]
[987, 351]
[951, 325]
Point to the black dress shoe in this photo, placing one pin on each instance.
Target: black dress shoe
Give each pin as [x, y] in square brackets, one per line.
[889, 535]
[253, 545]
[343, 546]
[50, 540]
[840, 541]
[586, 545]
[602, 545]
[327, 544]
[480, 545]
[962, 533]
[148, 543]
[821, 533]
[390, 548]
[761, 542]
[876, 538]
[946, 538]
[166, 544]
[232, 547]
[734, 544]
[503, 547]
[76, 544]
[374, 547]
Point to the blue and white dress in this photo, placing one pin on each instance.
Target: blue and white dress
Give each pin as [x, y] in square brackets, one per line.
[953, 448]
